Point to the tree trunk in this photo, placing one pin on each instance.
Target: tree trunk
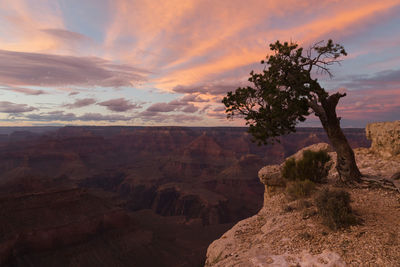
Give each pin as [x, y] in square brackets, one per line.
[346, 163]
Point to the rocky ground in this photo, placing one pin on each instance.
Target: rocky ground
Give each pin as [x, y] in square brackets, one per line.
[291, 233]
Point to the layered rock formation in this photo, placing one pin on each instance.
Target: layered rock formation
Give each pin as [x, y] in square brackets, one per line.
[172, 190]
[385, 137]
[291, 233]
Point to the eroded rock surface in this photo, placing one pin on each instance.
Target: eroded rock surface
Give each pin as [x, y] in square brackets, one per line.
[385, 137]
[291, 233]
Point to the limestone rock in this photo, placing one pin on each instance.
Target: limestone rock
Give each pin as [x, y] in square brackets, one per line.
[269, 239]
[385, 137]
[277, 237]
[271, 175]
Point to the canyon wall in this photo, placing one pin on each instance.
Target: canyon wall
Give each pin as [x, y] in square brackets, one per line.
[174, 189]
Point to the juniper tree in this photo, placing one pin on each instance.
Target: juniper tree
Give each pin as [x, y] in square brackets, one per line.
[286, 92]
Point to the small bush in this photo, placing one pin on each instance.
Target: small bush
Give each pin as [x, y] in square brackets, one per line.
[300, 189]
[289, 170]
[334, 207]
[314, 166]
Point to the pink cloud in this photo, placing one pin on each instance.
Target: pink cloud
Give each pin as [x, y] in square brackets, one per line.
[79, 103]
[370, 105]
[119, 105]
[17, 68]
[10, 107]
[24, 90]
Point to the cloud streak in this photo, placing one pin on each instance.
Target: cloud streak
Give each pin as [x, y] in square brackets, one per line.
[23, 90]
[119, 105]
[182, 104]
[65, 35]
[62, 116]
[35, 69]
[79, 103]
[156, 117]
[10, 107]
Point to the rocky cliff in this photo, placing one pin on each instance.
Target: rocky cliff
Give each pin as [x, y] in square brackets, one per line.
[131, 196]
[385, 137]
[291, 233]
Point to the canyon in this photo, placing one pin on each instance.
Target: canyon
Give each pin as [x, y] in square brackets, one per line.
[131, 196]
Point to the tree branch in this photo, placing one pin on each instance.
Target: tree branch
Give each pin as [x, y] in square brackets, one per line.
[318, 110]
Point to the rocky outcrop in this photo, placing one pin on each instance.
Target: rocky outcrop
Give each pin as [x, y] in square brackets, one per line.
[271, 177]
[385, 137]
[291, 233]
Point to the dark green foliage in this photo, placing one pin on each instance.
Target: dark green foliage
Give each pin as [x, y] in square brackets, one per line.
[289, 170]
[281, 95]
[314, 166]
[334, 207]
[300, 189]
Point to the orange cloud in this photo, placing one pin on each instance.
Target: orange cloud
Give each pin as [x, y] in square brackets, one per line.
[191, 41]
[22, 24]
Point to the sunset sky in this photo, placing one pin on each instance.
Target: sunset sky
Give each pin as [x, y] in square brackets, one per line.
[151, 62]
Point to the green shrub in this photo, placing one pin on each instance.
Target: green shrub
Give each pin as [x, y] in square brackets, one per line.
[289, 171]
[300, 189]
[314, 166]
[334, 207]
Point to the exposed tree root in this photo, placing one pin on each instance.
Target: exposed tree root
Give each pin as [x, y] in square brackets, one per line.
[373, 181]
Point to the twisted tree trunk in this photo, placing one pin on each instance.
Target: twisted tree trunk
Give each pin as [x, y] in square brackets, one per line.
[346, 163]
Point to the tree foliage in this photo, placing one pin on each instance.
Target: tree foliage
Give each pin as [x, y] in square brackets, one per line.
[285, 92]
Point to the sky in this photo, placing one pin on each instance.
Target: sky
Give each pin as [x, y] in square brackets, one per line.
[153, 62]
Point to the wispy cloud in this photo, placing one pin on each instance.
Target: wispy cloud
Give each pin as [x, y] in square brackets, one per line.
[10, 107]
[81, 103]
[62, 116]
[17, 68]
[119, 105]
[182, 104]
[207, 88]
[24, 90]
[156, 117]
[382, 79]
[65, 35]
